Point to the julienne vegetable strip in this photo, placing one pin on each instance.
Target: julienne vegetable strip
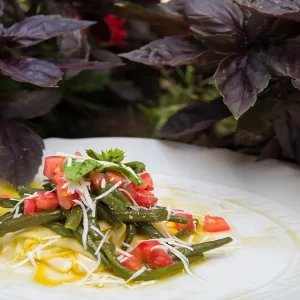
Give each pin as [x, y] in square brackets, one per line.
[81, 194]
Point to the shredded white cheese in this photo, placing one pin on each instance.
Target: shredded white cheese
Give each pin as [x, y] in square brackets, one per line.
[169, 209]
[109, 190]
[52, 237]
[137, 274]
[97, 230]
[103, 183]
[85, 223]
[123, 252]
[102, 242]
[69, 162]
[130, 197]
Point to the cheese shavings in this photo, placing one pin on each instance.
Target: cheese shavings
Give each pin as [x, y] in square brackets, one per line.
[109, 190]
[97, 230]
[137, 274]
[123, 252]
[130, 197]
[103, 183]
[102, 242]
[22, 200]
[169, 210]
[85, 223]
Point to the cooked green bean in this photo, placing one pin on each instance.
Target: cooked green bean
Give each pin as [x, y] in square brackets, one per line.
[130, 233]
[148, 229]
[178, 219]
[7, 203]
[143, 215]
[48, 185]
[137, 166]
[105, 214]
[60, 229]
[74, 218]
[6, 217]
[93, 222]
[153, 274]
[22, 222]
[183, 234]
[203, 247]
[118, 194]
[22, 190]
[114, 203]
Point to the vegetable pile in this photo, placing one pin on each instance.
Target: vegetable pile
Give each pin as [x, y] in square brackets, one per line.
[81, 193]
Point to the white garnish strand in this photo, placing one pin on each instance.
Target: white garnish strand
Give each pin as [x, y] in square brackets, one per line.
[130, 197]
[190, 240]
[137, 274]
[52, 237]
[37, 249]
[166, 230]
[103, 183]
[123, 252]
[92, 270]
[85, 223]
[102, 242]
[169, 209]
[31, 258]
[120, 257]
[160, 247]
[183, 258]
[126, 245]
[69, 162]
[97, 230]
[109, 190]
[16, 214]
[123, 259]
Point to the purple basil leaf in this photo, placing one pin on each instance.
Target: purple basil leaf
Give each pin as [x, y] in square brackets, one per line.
[77, 64]
[240, 78]
[33, 70]
[284, 60]
[272, 150]
[286, 116]
[2, 5]
[171, 51]
[28, 104]
[209, 16]
[35, 29]
[21, 151]
[221, 43]
[285, 9]
[194, 118]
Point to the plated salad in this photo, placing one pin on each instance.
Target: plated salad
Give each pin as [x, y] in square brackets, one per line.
[96, 221]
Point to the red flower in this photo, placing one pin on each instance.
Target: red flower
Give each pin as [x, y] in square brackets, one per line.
[117, 33]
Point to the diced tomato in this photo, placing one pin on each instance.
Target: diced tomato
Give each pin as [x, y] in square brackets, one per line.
[160, 261]
[30, 206]
[147, 183]
[96, 179]
[215, 224]
[132, 263]
[53, 165]
[190, 225]
[46, 200]
[145, 199]
[65, 199]
[114, 177]
[145, 252]
[77, 153]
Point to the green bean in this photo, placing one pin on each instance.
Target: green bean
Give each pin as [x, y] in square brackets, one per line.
[22, 190]
[148, 229]
[60, 229]
[130, 233]
[74, 218]
[105, 214]
[22, 222]
[153, 274]
[183, 234]
[6, 217]
[143, 215]
[137, 166]
[178, 219]
[91, 246]
[114, 203]
[120, 195]
[203, 247]
[93, 222]
[48, 185]
[7, 203]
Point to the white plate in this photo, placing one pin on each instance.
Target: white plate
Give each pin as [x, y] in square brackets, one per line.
[262, 263]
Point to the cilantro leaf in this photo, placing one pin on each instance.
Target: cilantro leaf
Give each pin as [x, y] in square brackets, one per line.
[112, 155]
[79, 168]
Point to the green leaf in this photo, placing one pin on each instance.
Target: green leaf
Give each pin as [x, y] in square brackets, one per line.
[79, 168]
[112, 155]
